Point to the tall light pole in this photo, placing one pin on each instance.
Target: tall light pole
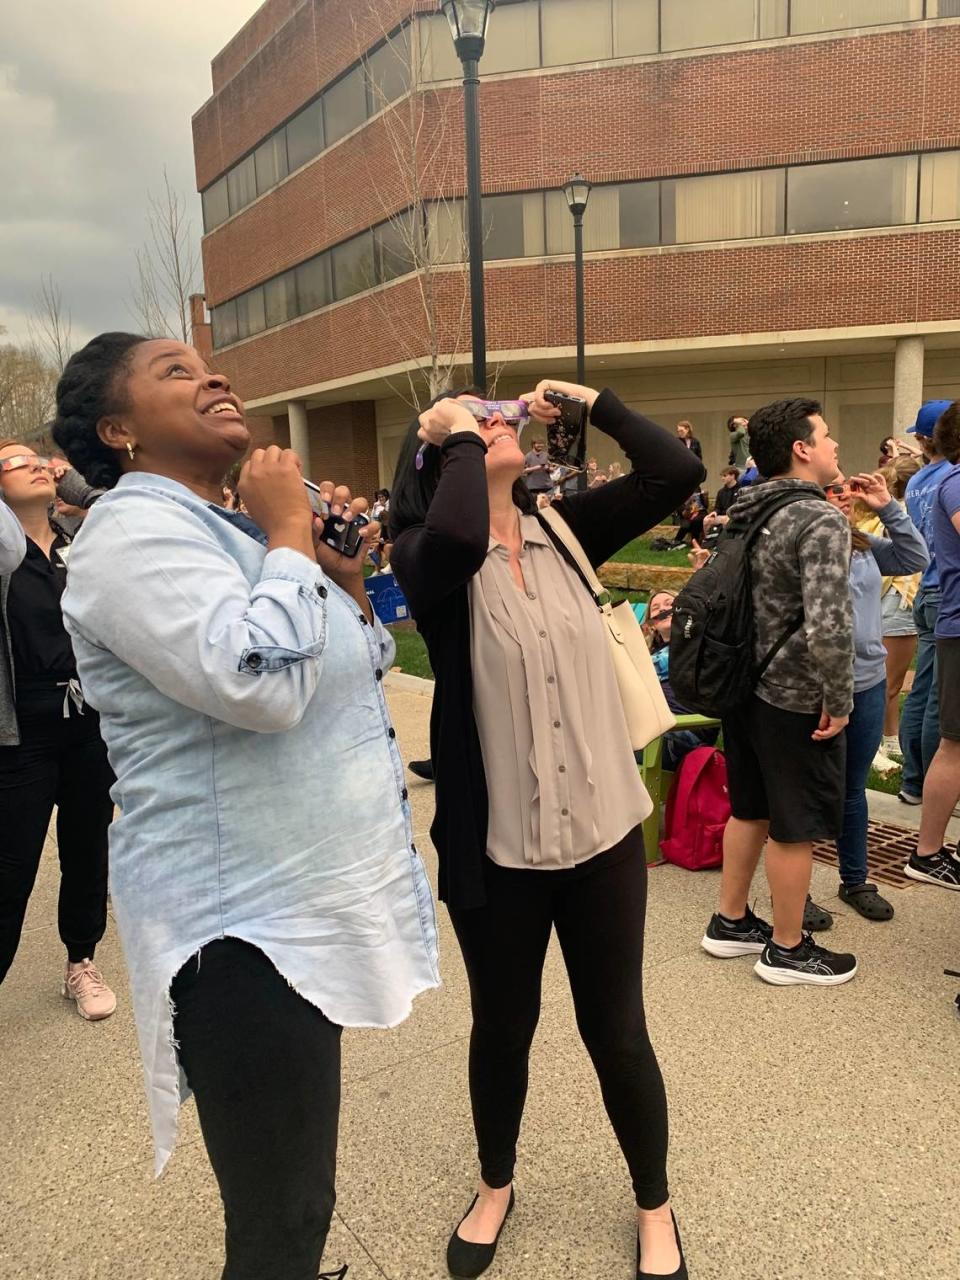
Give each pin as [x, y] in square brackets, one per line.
[577, 192]
[468, 23]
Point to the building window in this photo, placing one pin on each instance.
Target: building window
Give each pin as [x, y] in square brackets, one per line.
[216, 205]
[576, 31]
[636, 27]
[242, 184]
[723, 206]
[514, 40]
[696, 24]
[270, 162]
[353, 266]
[305, 135]
[440, 61]
[639, 214]
[513, 225]
[396, 247]
[345, 105]
[280, 299]
[601, 222]
[852, 193]
[943, 8]
[835, 15]
[446, 232]
[940, 187]
[223, 322]
[251, 317]
[314, 289]
[387, 72]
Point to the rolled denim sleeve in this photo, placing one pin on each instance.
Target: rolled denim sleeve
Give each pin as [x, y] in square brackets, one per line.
[13, 544]
[166, 598]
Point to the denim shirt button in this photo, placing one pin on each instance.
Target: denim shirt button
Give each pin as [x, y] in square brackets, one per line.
[404, 794]
[322, 592]
[391, 733]
[255, 660]
[378, 673]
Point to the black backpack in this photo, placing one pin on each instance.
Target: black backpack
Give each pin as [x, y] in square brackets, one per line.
[712, 668]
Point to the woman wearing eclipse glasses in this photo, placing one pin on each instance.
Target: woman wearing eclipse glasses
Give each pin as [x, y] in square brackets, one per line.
[51, 752]
[539, 801]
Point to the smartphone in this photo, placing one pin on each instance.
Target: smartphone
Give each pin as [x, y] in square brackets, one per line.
[343, 535]
[319, 505]
[567, 435]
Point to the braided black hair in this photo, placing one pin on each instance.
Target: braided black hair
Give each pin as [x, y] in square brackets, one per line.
[91, 387]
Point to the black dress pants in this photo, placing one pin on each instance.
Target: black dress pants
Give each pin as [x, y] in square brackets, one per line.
[60, 761]
[598, 911]
[264, 1067]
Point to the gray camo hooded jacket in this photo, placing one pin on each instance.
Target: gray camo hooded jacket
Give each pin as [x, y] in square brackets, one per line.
[801, 561]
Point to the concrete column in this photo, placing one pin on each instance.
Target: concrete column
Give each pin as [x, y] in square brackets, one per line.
[300, 435]
[907, 382]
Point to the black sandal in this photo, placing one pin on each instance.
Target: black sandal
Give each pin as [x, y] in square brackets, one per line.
[866, 899]
[815, 918]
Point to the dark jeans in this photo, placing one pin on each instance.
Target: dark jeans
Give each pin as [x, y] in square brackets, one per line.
[598, 911]
[920, 717]
[264, 1067]
[864, 735]
[60, 762]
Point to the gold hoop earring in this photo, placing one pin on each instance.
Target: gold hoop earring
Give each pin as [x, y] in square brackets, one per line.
[130, 449]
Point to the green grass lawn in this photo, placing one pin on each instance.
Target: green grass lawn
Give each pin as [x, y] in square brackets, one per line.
[638, 552]
[411, 652]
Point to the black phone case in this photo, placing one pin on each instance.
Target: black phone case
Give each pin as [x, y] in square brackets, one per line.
[567, 436]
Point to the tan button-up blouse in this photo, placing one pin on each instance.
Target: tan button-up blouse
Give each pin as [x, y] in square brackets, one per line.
[562, 782]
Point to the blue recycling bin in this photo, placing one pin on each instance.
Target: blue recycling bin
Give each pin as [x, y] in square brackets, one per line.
[388, 601]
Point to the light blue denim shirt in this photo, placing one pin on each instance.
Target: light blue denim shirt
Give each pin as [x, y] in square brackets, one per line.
[262, 793]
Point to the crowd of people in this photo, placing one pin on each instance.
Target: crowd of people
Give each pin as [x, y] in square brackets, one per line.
[200, 635]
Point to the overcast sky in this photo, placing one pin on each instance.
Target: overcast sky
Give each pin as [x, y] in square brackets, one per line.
[95, 98]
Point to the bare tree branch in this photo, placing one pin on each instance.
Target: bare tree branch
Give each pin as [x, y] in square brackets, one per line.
[425, 228]
[27, 392]
[49, 328]
[168, 267]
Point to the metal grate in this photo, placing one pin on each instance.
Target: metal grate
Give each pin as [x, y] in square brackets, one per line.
[888, 849]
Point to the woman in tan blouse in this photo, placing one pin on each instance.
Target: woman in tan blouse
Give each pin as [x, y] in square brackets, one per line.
[539, 801]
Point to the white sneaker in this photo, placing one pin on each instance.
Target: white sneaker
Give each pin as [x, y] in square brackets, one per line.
[884, 766]
[84, 983]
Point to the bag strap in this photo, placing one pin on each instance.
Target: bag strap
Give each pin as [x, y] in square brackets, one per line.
[567, 544]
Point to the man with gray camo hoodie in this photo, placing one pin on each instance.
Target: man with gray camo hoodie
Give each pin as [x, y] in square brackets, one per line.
[785, 748]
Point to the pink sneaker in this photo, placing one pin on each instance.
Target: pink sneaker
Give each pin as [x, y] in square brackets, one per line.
[84, 983]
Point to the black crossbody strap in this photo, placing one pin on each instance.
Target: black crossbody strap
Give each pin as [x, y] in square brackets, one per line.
[750, 537]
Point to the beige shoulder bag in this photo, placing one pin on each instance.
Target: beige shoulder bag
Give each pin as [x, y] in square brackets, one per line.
[644, 706]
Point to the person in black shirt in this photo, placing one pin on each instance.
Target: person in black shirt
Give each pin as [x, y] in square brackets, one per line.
[51, 752]
[728, 492]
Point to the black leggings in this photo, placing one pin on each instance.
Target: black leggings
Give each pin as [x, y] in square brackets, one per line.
[60, 762]
[264, 1067]
[598, 910]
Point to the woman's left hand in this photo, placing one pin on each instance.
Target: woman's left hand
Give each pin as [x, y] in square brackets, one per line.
[339, 567]
[871, 488]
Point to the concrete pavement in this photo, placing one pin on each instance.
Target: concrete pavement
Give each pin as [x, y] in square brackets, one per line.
[814, 1132]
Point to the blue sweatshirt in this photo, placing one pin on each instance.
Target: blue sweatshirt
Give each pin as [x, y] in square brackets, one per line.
[902, 551]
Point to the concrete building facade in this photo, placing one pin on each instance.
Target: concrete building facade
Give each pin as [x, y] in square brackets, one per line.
[776, 211]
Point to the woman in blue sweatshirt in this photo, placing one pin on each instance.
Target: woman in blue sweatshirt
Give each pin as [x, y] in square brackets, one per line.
[901, 551]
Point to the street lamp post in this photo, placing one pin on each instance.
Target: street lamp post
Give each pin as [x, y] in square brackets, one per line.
[577, 192]
[468, 23]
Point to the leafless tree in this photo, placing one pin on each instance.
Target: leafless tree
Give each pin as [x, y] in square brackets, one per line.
[425, 232]
[49, 328]
[168, 267]
[27, 392]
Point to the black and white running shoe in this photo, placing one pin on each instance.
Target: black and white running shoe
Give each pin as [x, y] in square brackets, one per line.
[808, 962]
[725, 938]
[939, 868]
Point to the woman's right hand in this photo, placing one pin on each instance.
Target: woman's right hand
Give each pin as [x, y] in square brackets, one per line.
[444, 417]
[543, 411]
[272, 489]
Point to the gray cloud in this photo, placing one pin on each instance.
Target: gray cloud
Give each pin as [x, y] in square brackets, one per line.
[95, 99]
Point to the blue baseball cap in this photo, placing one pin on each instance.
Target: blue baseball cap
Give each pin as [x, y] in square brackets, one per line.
[927, 418]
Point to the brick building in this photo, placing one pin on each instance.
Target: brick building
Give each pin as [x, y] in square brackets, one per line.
[776, 211]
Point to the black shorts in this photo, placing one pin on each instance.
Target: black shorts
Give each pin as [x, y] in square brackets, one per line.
[948, 686]
[776, 772]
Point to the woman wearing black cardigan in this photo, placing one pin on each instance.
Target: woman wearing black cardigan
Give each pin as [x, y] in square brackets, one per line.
[539, 803]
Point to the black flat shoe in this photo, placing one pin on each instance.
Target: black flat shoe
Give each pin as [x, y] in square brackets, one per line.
[465, 1261]
[681, 1271]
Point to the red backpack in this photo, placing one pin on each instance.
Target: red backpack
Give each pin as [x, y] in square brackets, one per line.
[698, 807]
